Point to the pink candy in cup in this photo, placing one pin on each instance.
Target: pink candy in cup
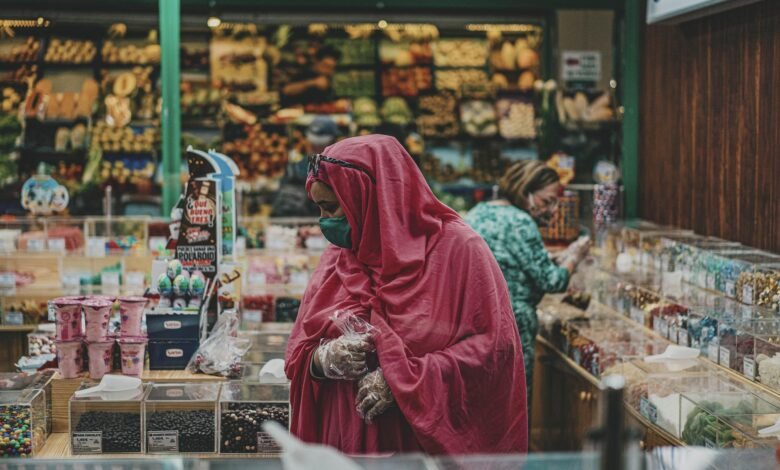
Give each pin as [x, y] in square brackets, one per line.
[97, 312]
[100, 358]
[68, 316]
[70, 358]
[131, 315]
[132, 351]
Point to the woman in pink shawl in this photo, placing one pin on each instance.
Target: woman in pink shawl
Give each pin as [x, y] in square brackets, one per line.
[449, 378]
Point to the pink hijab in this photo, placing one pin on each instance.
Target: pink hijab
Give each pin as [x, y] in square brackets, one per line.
[446, 336]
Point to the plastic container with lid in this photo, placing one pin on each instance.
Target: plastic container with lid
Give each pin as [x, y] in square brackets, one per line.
[243, 408]
[23, 420]
[729, 267]
[107, 423]
[759, 285]
[181, 418]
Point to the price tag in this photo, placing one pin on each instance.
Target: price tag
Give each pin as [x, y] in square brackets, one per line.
[657, 325]
[731, 290]
[13, 318]
[648, 410]
[163, 441]
[682, 337]
[36, 244]
[749, 368]
[109, 281]
[725, 357]
[87, 442]
[57, 244]
[673, 333]
[710, 281]
[747, 293]
[134, 282]
[637, 315]
[257, 279]
[8, 283]
[713, 352]
[747, 312]
[266, 444]
[51, 311]
[96, 247]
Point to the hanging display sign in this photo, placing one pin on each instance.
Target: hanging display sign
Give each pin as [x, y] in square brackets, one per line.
[678, 11]
[581, 66]
[200, 231]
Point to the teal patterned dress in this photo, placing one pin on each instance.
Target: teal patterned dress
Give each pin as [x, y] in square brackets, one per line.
[515, 241]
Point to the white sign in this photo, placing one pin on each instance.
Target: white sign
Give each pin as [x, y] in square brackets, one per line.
[725, 357]
[109, 281]
[8, 283]
[87, 442]
[163, 441]
[713, 352]
[96, 247]
[581, 66]
[677, 11]
[749, 368]
[57, 244]
[36, 244]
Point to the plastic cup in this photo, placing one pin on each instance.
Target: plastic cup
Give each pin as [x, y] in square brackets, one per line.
[97, 313]
[68, 315]
[132, 351]
[70, 358]
[100, 358]
[131, 315]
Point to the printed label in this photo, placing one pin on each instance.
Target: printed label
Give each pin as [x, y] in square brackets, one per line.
[682, 337]
[52, 311]
[173, 353]
[8, 283]
[713, 352]
[672, 333]
[172, 325]
[96, 247]
[648, 410]
[163, 441]
[725, 357]
[747, 294]
[174, 393]
[87, 442]
[266, 444]
[36, 244]
[747, 312]
[749, 368]
[57, 244]
[731, 290]
[637, 315]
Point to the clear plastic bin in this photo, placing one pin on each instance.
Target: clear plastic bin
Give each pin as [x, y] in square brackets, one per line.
[107, 423]
[23, 418]
[243, 408]
[730, 267]
[760, 286]
[181, 418]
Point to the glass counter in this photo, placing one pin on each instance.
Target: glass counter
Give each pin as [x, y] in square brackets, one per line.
[728, 267]
[709, 264]
[243, 408]
[181, 418]
[760, 286]
[106, 423]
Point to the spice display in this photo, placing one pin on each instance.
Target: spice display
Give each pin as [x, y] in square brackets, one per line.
[195, 428]
[354, 83]
[515, 119]
[120, 432]
[70, 51]
[438, 116]
[459, 53]
[458, 79]
[406, 81]
[26, 51]
[130, 53]
[478, 118]
[124, 139]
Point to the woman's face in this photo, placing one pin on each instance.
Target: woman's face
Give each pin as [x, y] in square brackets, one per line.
[542, 204]
[324, 197]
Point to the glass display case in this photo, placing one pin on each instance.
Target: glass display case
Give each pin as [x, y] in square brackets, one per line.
[181, 418]
[118, 235]
[728, 267]
[267, 340]
[243, 408]
[641, 301]
[708, 265]
[110, 423]
[23, 420]
[760, 286]
[711, 418]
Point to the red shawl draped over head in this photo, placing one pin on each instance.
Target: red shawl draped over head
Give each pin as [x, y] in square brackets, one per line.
[445, 334]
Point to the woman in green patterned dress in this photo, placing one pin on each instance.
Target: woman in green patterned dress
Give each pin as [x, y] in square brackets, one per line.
[528, 197]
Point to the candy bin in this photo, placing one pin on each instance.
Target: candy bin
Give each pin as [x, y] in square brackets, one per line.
[23, 422]
[759, 286]
[641, 301]
[243, 408]
[715, 266]
[667, 318]
[767, 360]
[181, 418]
[744, 265]
[671, 252]
[691, 251]
[106, 423]
[702, 328]
[736, 341]
[711, 418]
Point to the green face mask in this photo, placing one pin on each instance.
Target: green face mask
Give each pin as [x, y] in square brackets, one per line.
[337, 231]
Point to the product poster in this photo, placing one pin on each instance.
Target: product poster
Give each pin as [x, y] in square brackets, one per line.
[200, 233]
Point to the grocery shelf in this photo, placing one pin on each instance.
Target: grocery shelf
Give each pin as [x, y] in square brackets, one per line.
[18, 328]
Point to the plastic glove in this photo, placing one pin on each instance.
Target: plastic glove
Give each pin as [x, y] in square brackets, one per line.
[344, 358]
[374, 396]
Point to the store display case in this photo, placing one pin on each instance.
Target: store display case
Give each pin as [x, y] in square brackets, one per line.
[759, 286]
[711, 418]
[726, 269]
[708, 266]
[243, 408]
[23, 419]
[266, 340]
[118, 235]
[107, 423]
[642, 300]
[181, 418]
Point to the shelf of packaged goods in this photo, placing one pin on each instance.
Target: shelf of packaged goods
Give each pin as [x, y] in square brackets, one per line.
[17, 328]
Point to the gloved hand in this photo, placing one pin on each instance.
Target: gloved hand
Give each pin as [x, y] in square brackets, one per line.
[374, 396]
[344, 358]
[580, 248]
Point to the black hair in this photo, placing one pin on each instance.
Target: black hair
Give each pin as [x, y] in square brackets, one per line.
[327, 51]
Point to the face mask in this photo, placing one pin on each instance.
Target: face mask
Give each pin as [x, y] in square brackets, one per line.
[337, 231]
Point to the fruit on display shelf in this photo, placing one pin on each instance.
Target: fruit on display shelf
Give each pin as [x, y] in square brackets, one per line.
[260, 153]
[353, 52]
[130, 53]
[478, 118]
[26, 51]
[365, 112]
[10, 100]
[515, 118]
[200, 102]
[460, 53]
[438, 116]
[354, 83]
[127, 172]
[406, 81]
[70, 51]
[456, 80]
[124, 139]
[395, 110]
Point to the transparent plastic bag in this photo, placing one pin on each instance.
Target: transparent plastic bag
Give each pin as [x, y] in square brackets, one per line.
[221, 353]
[374, 396]
[344, 358]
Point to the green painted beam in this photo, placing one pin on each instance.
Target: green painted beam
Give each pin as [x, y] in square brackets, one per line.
[171, 110]
[632, 49]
